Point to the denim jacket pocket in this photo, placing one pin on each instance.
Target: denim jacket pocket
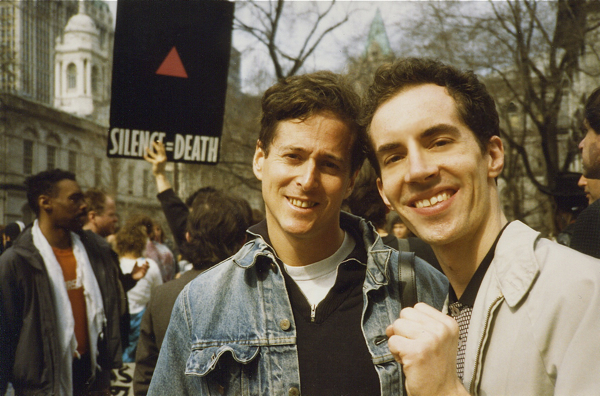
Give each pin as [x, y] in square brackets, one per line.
[202, 361]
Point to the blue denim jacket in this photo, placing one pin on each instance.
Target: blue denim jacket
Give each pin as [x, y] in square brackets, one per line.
[232, 329]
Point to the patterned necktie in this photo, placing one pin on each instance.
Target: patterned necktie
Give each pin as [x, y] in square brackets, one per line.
[462, 314]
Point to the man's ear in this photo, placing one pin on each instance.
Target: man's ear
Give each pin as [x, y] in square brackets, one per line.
[495, 150]
[257, 162]
[382, 194]
[45, 202]
[91, 214]
[188, 238]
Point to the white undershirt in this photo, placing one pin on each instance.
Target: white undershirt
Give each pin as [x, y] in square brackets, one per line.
[315, 280]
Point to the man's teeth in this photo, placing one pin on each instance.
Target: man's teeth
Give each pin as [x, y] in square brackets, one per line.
[425, 203]
[302, 204]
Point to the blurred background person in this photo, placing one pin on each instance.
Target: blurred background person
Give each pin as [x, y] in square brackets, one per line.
[215, 230]
[102, 221]
[569, 202]
[59, 318]
[156, 251]
[102, 213]
[586, 229]
[131, 241]
[397, 227]
[159, 252]
[10, 233]
[175, 210]
[591, 188]
[586, 232]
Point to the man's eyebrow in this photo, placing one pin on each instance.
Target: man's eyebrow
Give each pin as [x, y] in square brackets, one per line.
[429, 132]
[303, 150]
[438, 129]
[388, 147]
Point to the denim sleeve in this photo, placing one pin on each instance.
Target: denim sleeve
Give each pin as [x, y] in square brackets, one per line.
[432, 285]
[169, 376]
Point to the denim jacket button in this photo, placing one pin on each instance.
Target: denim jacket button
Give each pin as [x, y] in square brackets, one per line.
[294, 392]
[285, 325]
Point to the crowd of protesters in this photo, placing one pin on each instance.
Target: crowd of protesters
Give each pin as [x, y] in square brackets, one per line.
[304, 299]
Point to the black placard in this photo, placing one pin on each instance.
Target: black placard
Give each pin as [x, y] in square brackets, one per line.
[169, 79]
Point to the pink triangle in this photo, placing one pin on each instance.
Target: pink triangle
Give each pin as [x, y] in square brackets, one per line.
[172, 65]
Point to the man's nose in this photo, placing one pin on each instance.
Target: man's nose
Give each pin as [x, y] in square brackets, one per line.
[420, 166]
[309, 176]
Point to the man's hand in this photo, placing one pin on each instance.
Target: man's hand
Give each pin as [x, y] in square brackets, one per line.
[425, 342]
[157, 156]
[139, 271]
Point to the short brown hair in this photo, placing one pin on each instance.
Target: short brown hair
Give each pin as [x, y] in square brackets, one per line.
[475, 106]
[141, 220]
[592, 110]
[300, 97]
[95, 200]
[131, 238]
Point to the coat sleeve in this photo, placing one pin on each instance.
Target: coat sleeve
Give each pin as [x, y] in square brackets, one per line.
[169, 377]
[574, 342]
[176, 213]
[11, 314]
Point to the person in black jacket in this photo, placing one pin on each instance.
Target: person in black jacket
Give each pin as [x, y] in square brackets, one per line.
[586, 231]
[101, 222]
[176, 211]
[59, 327]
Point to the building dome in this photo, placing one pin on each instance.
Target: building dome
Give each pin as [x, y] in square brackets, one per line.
[81, 23]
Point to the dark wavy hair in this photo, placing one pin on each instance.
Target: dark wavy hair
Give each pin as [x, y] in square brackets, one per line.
[475, 106]
[217, 229]
[300, 97]
[592, 110]
[44, 183]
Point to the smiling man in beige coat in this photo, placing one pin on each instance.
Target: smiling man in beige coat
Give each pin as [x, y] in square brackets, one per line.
[522, 317]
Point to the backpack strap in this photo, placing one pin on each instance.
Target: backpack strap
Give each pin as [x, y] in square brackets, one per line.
[406, 275]
[408, 287]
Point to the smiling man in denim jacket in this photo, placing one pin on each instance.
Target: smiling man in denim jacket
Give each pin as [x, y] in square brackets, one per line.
[302, 308]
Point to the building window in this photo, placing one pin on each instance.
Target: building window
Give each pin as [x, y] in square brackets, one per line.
[71, 76]
[96, 82]
[97, 172]
[27, 157]
[72, 161]
[50, 157]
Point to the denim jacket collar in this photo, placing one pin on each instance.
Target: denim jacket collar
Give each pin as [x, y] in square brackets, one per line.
[377, 254]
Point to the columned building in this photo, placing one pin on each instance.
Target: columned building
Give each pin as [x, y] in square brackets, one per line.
[55, 79]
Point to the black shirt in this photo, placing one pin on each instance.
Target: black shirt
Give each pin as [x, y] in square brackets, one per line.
[332, 353]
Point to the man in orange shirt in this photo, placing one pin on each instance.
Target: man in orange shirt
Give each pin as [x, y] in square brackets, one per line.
[59, 318]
